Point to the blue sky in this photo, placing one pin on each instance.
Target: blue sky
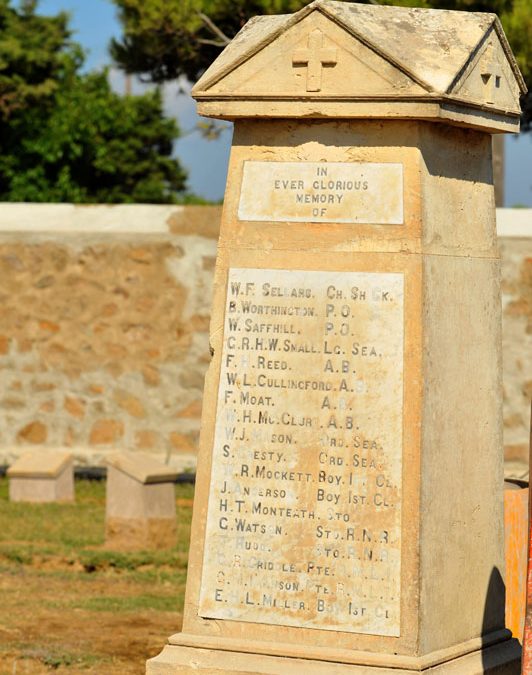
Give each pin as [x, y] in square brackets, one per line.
[95, 23]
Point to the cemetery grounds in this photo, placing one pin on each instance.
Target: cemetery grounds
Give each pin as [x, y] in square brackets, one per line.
[70, 605]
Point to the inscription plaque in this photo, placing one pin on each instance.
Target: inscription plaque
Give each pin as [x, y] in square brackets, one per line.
[304, 516]
[322, 192]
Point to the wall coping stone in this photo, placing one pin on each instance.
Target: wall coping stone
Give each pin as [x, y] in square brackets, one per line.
[513, 222]
[75, 219]
[17, 217]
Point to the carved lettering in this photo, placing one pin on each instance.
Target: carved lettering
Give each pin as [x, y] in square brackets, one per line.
[322, 192]
[304, 517]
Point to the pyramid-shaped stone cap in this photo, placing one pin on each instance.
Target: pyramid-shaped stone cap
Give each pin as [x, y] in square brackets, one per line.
[348, 60]
[40, 464]
[141, 467]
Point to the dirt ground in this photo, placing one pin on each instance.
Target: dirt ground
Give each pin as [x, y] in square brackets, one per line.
[83, 610]
[47, 631]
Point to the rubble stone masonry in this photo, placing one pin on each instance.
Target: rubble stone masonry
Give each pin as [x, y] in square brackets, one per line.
[104, 328]
[514, 228]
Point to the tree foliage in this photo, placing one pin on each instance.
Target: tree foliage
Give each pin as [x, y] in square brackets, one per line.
[163, 40]
[517, 23]
[65, 135]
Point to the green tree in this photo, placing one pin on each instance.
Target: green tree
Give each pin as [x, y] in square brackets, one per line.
[65, 135]
[517, 23]
[35, 53]
[164, 40]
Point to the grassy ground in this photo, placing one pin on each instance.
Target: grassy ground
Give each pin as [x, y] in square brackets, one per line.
[68, 605]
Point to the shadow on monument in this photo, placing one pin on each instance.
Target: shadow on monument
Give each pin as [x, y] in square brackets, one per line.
[493, 619]
[401, 134]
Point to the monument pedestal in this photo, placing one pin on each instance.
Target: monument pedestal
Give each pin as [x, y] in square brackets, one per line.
[348, 515]
[140, 508]
[499, 659]
[42, 476]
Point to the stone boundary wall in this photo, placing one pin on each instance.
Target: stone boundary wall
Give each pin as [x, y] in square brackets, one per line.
[104, 328]
[514, 228]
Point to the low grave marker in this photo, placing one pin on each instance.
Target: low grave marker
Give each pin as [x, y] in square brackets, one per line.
[140, 510]
[42, 476]
[348, 514]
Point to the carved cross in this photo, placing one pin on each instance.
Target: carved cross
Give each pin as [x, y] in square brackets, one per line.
[491, 76]
[315, 56]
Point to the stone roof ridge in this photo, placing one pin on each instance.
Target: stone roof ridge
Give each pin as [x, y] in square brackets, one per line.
[485, 22]
[445, 43]
[376, 45]
[254, 35]
[497, 26]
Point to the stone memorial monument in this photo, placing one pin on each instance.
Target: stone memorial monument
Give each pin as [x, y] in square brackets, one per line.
[140, 508]
[348, 515]
[42, 476]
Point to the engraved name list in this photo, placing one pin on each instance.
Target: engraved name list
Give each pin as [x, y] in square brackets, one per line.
[304, 515]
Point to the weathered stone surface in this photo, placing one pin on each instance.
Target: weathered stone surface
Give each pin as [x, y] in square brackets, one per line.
[4, 344]
[130, 404]
[141, 467]
[192, 410]
[151, 375]
[106, 432]
[348, 500]
[328, 192]
[75, 406]
[42, 476]
[146, 439]
[423, 243]
[140, 503]
[34, 432]
[40, 464]
[350, 60]
[175, 660]
[331, 354]
[182, 443]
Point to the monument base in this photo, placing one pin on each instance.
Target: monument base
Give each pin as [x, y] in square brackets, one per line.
[43, 490]
[502, 658]
[140, 533]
